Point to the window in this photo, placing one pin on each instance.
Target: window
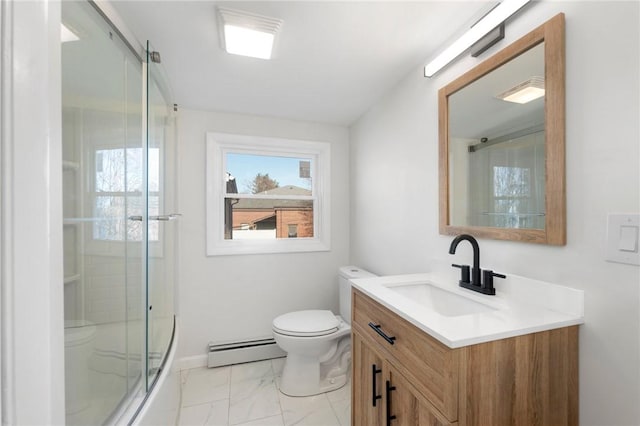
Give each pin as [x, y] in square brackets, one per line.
[511, 193]
[118, 184]
[266, 195]
[506, 183]
[293, 231]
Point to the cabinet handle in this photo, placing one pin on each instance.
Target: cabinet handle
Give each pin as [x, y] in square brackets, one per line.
[378, 330]
[374, 386]
[389, 416]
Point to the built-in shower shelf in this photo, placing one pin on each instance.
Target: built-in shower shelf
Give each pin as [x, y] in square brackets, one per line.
[70, 165]
[72, 278]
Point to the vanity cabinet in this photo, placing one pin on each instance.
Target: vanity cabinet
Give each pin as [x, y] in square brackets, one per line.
[403, 376]
[407, 405]
[367, 376]
[384, 396]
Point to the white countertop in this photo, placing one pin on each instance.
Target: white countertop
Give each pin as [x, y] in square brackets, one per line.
[524, 306]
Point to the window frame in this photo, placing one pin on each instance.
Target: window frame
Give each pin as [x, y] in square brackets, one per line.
[116, 247]
[218, 145]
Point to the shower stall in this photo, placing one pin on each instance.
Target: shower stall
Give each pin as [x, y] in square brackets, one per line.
[119, 232]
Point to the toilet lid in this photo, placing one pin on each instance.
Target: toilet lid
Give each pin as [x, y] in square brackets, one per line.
[306, 323]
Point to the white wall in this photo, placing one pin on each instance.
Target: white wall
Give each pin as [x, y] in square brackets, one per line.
[32, 335]
[224, 298]
[394, 181]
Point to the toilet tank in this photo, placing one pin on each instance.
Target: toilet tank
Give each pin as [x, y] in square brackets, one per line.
[346, 273]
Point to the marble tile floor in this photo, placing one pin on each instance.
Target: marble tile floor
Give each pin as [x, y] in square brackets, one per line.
[247, 395]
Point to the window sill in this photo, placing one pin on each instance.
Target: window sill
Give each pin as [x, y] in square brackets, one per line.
[240, 247]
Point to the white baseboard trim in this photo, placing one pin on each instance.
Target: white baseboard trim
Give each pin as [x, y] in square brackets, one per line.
[229, 357]
[245, 351]
[189, 362]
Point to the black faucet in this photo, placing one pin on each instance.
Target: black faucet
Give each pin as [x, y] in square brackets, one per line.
[486, 285]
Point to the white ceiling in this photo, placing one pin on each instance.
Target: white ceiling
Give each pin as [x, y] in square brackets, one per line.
[332, 61]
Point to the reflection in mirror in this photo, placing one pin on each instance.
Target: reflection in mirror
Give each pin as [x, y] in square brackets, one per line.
[496, 147]
[501, 128]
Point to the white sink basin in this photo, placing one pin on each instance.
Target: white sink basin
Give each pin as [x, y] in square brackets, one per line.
[442, 301]
[459, 317]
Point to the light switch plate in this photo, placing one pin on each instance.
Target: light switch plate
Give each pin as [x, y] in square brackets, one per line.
[628, 238]
[623, 231]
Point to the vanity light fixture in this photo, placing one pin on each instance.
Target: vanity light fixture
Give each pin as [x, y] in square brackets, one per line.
[247, 34]
[67, 35]
[487, 24]
[524, 92]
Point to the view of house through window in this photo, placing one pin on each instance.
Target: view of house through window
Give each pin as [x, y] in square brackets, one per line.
[268, 197]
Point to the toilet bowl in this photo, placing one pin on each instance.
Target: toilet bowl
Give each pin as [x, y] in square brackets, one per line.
[318, 343]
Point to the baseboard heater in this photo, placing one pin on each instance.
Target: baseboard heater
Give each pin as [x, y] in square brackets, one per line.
[246, 351]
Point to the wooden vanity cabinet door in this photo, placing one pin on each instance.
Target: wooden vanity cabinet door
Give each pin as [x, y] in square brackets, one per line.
[406, 406]
[431, 366]
[365, 359]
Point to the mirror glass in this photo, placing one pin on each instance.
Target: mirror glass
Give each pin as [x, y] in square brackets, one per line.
[496, 147]
[502, 143]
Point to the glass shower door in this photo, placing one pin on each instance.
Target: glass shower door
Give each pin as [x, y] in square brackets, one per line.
[119, 230]
[162, 225]
[103, 188]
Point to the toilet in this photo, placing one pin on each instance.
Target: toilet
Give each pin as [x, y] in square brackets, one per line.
[318, 343]
[78, 348]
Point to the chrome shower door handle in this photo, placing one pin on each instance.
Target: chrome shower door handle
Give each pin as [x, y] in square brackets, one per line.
[163, 218]
[166, 217]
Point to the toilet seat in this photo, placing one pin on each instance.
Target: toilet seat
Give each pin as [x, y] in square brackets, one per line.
[311, 323]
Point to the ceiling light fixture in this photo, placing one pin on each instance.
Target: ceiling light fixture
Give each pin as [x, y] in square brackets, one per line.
[490, 21]
[524, 92]
[247, 34]
[67, 35]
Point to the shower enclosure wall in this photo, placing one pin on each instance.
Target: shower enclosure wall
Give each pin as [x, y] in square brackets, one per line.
[118, 204]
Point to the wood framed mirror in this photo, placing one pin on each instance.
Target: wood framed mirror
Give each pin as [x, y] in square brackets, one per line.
[502, 160]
